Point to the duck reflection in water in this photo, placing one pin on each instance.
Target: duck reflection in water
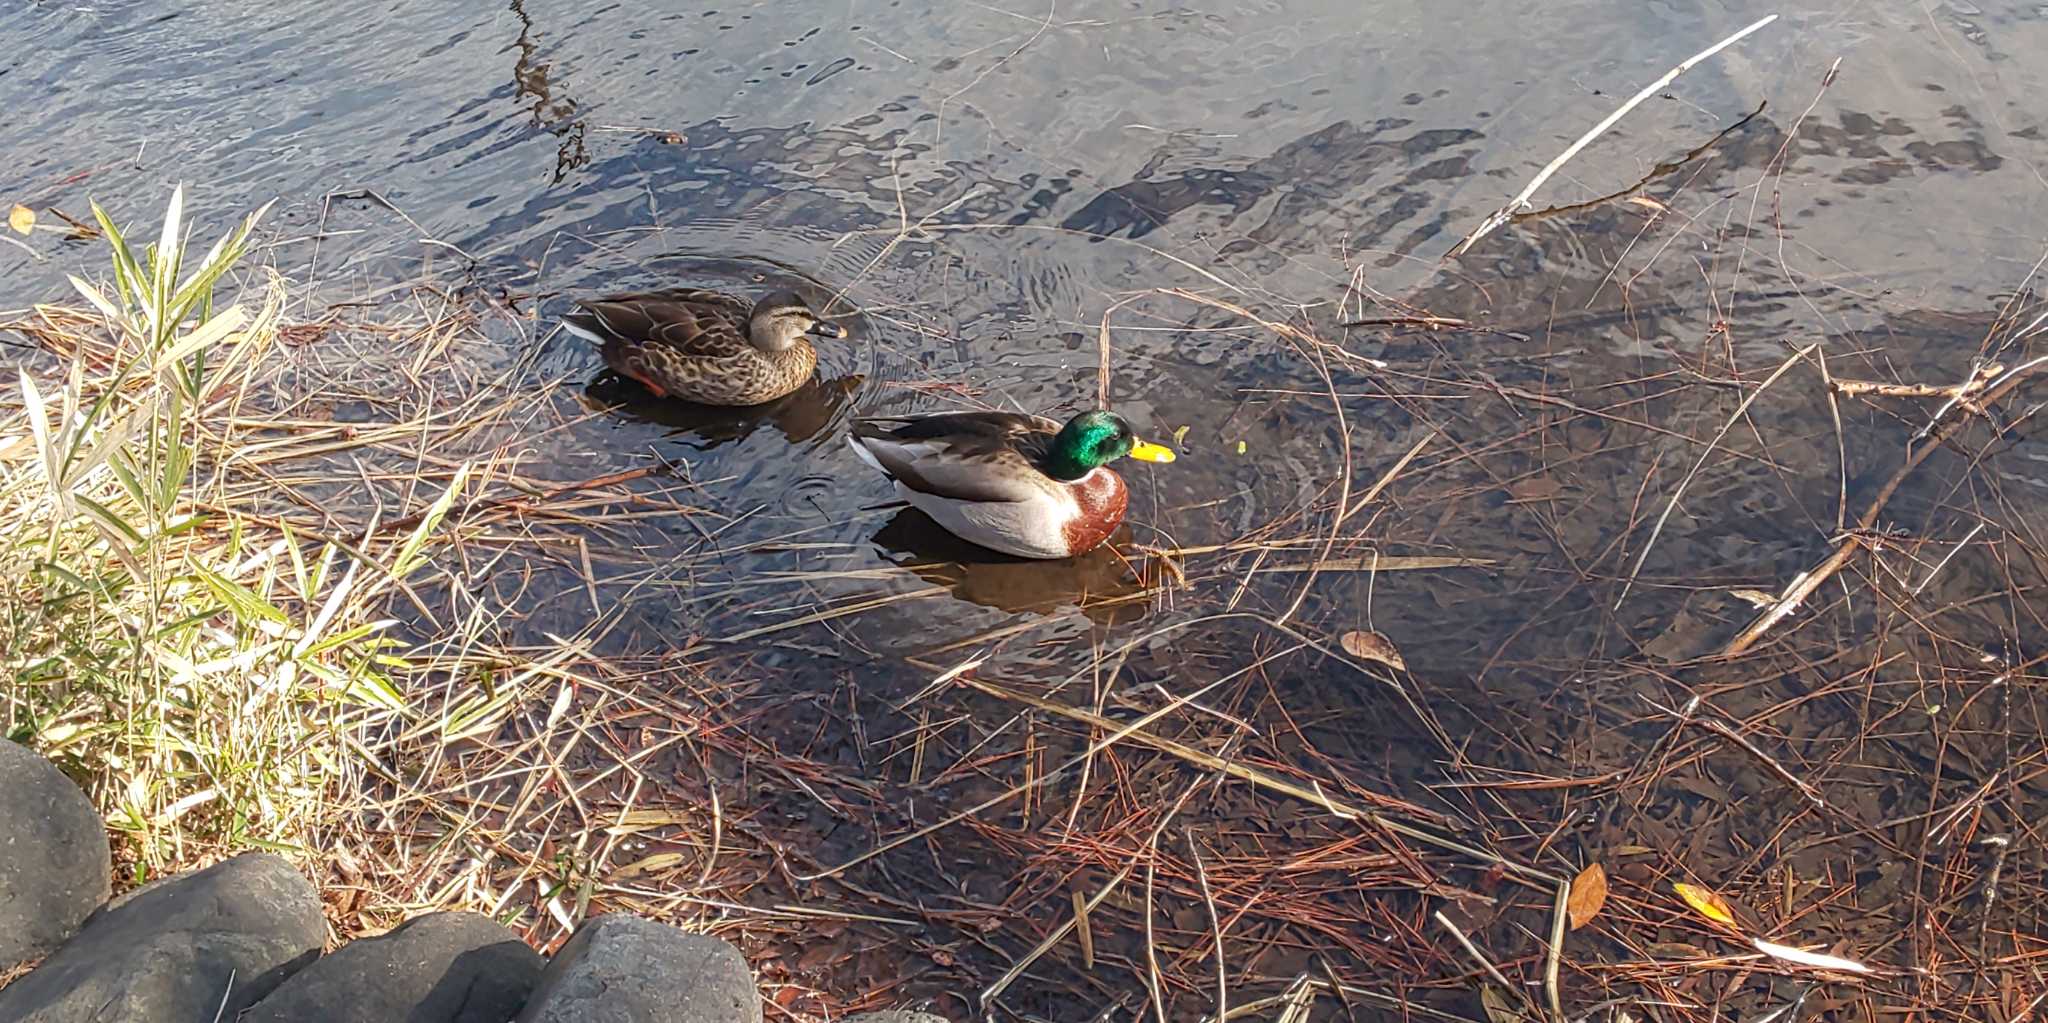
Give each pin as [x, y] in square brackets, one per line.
[800, 415]
[1101, 582]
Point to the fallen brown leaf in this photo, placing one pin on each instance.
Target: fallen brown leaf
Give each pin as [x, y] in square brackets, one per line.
[1589, 893]
[1372, 646]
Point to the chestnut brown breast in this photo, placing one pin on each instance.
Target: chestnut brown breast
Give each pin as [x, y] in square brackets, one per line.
[1102, 498]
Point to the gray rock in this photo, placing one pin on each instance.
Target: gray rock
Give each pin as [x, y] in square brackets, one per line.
[622, 969]
[438, 968]
[54, 865]
[177, 950]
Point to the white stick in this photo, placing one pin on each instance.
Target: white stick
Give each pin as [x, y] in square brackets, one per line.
[1813, 959]
[1521, 202]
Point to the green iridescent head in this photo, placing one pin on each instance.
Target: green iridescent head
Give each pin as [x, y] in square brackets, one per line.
[1092, 440]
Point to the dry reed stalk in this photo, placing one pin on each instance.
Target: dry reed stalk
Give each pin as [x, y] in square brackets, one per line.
[1521, 199]
[1938, 430]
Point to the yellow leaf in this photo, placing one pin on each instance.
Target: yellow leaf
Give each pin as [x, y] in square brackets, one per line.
[1372, 646]
[1705, 903]
[1589, 893]
[1240, 447]
[1179, 436]
[21, 219]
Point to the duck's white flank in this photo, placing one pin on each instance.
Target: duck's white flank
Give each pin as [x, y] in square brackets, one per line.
[1033, 528]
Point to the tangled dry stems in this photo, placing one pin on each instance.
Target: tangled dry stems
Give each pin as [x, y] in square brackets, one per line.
[1314, 830]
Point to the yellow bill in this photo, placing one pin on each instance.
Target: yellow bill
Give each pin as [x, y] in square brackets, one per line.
[1151, 452]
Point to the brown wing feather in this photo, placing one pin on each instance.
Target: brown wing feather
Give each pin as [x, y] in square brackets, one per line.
[693, 322]
[966, 456]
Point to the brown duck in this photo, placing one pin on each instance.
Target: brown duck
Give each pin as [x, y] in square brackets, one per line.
[704, 346]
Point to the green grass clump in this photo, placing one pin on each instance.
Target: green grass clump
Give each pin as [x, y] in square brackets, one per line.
[209, 675]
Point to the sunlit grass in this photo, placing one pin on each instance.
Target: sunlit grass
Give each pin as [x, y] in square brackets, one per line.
[210, 681]
[247, 597]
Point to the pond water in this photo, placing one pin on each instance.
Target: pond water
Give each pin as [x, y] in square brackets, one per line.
[984, 186]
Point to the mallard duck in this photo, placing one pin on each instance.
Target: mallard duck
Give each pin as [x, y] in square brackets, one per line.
[704, 346]
[1019, 484]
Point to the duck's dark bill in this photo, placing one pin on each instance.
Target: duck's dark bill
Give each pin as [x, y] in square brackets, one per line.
[1151, 452]
[826, 328]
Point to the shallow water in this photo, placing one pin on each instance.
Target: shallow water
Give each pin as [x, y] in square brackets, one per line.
[1063, 166]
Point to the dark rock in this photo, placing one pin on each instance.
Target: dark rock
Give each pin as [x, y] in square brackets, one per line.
[622, 969]
[176, 950]
[438, 968]
[54, 865]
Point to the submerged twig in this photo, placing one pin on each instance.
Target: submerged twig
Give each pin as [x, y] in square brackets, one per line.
[1927, 440]
[1711, 447]
[1801, 785]
[1215, 928]
[995, 990]
[1643, 182]
[1485, 965]
[1521, 199]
